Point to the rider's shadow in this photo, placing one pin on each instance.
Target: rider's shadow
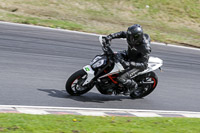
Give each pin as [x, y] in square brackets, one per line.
[88, 97]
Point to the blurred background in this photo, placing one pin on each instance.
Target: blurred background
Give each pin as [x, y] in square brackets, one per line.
[168, 21]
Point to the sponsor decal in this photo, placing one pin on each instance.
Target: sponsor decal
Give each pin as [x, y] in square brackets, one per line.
[87, 69]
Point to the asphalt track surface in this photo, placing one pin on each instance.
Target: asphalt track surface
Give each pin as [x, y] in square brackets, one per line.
[35, 64]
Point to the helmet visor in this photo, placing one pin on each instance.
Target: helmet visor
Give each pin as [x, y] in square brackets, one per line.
[134, 39]
[130, 39]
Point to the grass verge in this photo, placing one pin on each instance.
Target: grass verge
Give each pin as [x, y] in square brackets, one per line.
[166, 21]
[18, 123]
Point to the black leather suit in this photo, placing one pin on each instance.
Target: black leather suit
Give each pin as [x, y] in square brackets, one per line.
[137, 56]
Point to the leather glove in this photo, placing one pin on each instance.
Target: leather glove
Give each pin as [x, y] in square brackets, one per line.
[125, 64]
[108, 39]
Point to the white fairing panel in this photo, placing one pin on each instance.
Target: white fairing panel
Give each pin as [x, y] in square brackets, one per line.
[153, 64]
[117, 69]
[90, 73]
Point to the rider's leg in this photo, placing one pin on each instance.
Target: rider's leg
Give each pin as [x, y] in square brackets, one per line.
[125, 78]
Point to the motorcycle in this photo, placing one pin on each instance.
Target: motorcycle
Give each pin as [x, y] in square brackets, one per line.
[103, 71]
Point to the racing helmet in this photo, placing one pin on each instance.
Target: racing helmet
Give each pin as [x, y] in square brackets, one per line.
[134, 35]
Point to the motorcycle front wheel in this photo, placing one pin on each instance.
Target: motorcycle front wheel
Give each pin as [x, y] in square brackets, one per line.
[74, 85]
[148, 84]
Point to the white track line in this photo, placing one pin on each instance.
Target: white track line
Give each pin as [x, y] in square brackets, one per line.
[48, 28]
[92, 113]
[91, 34]
[146, 114]
[192, 115]
[31, 111]
[97, 110]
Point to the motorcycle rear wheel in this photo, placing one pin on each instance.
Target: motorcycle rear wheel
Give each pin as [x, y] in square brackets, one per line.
[74, 85]
[145, 89]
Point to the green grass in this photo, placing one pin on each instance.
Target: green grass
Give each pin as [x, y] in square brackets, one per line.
[45, 22]
[165, 20]
[18, 123]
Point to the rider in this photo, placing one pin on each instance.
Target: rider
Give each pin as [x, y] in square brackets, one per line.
[135, 59]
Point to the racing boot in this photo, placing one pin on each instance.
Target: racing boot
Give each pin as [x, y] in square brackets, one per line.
[130, 85]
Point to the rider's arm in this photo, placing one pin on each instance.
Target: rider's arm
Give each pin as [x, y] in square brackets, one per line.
[142, 62]
[121, 34]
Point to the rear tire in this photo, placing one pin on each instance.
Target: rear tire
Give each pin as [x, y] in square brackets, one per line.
[74, 85]
[143, 89]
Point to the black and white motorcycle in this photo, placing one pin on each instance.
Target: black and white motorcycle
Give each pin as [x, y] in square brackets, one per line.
[103, 72]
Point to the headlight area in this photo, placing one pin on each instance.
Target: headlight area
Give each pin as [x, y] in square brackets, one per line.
[98, 64]
[98, 61]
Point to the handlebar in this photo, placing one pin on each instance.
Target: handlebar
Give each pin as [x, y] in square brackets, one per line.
[107, 49]
[103, 42]
[105, 45]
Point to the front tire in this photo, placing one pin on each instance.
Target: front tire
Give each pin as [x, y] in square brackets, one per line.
[145, 89]
[74, 85]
